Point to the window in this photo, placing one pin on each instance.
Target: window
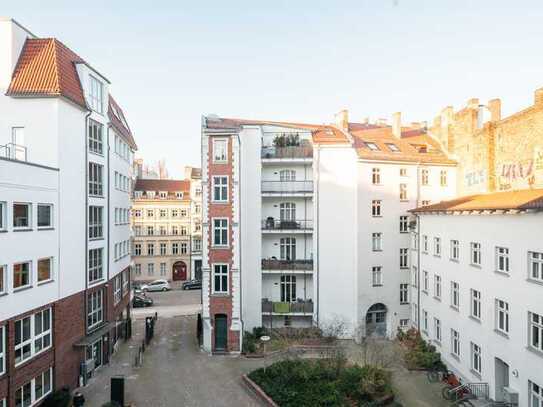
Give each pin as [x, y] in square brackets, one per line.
[95, 222]
[183, 230]
[502, 316]
[455, 250]
[377, 242]
[2, 352]
[372, 146]
[437, 246]
[287, 175]
[162, 230]
[95, 179]
[179, 195]
[404, 224]
[376, 176]
[183, 248]
[150, 269]
[288, 288]
[425, 202]
[136, 213]
[137, 249]
[404, 293]
[393, 147]
[33, 335]
[475, 304]
[175, 248]
[455, 343]
[376, 208]
[150, 230]
[126, 280]
[404, 323]
[476, 254]
[220, 189]
[94, 309]
[455, 295]
[197, 245]
[415, 277]
[404, 258]
[535, 266]
[23, 395]
[22, 216]
[163, 249]
[220, 278]
[45, 216]
[536, 331]
[424, 244]
[150, 249]
[162, 194]
[437, 286]
[403, 192]
[162, 269]
[137, 268]
[117, 290]
[502, 259]
[150, 213]
[163, 213]
[424, 177]
[183, 213]
[95, 137]
[30, 393]
[3, 279]
[175, 230]
[45, 270]
[287, 212]
[425, 320]
[96, 100]
[403, 172]
[377, 276]
[415, 313]
[476, 358]
[220, 147]
[443, 178]
[536, 394]
[220, 232]
[414, 241]
[437, 329]
[3, 222]
[287, 248]
[95, 265]
[425, 282]
[21, 275]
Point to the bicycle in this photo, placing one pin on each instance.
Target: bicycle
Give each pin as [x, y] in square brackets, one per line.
[438, 373]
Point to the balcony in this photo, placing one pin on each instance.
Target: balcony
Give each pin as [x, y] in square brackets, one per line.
[293, 188]
[273, 153]
[292, 226]
[13, 151]
[275, 265]
[300, 307]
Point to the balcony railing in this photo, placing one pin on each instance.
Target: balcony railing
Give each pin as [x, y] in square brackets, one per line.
[277, 224]
[13, 152]
[299, 307]
[274, 264]
[287, 186]
[287, 152]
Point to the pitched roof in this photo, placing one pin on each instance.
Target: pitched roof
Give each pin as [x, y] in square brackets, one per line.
[413, 146]
[169, 185]
[46, 67]
[520, 200]
[118, 121]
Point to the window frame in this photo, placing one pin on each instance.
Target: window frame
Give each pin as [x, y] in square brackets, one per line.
[376, 208]
[377, 276]
[220, 189]
[443, 179]
[222, 277]
[30, 276]
[3, 279]
[403, 192]
[503, 316]
[535, 266]
[29, 216]
[437, 246]
[424, 177]
[404, 224]
[503, 260]
[475, 304]
[96, 222]
[95, 266]
[95, 313]
[51, 219]
[475, 254]
[223, 144]
[455, 250]
[455, 295]
[376, 176]
[51, 270]
[404, 293]
[404, 258]
[377, 242]
[96, 179]
[96, 94]
[535, 326]
[3, 216]
[437, 286]
[476, 358]
[223, 232]
[438, 335]
[33, 337]
[96, 142]
[455, 343]
[533, 393]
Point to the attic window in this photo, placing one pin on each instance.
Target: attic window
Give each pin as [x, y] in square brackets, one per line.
[179, 195]
[372, 146]
[163, 194]
[150, 194]
[393, 147]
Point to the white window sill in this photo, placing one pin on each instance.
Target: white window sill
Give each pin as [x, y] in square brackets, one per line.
[501, 333]
[474, 318]
[23, 288]
[503, 273]
[45, 282]
[23, 229]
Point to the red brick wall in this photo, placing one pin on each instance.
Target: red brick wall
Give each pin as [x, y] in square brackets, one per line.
[221, 304]
[4, 387]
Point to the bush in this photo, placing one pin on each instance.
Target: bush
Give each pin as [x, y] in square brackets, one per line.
[420, 354]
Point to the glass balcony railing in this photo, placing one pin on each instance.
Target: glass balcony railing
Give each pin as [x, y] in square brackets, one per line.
[288, 152]
[298, 307]
[284, 187]
[13, 152]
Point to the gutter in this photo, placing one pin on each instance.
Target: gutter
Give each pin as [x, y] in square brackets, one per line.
[89, 112]
[240, 250]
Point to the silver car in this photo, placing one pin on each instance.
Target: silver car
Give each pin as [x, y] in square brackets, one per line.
[157, 285]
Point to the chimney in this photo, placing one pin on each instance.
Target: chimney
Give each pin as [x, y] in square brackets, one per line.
[495, 107]
[397, 125]
[538, 99]
[447, 116]
[473, 103]
[342, 120]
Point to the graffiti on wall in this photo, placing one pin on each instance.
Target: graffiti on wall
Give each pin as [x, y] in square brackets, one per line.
[474, 178]
[523, 173]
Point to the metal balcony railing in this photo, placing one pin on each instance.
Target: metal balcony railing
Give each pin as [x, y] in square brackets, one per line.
[300, 307]
[278, 224]
[287, 186]
[287, 152]
[13, 152]
[274, 264]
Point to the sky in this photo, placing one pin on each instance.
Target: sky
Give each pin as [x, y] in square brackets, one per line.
[170, 62]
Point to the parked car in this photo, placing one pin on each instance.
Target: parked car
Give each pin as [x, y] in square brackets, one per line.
[192, 285]
[157, 285]
[140, 301]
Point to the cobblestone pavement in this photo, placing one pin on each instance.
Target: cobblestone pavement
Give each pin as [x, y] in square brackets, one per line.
[175, 373]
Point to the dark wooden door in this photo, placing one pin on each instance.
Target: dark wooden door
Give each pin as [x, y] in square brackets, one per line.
[179, 271]
[221, 332]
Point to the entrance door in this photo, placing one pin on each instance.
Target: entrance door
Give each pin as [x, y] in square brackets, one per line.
[376, 321]
[221, 332]
[179, 271]
[502, 377]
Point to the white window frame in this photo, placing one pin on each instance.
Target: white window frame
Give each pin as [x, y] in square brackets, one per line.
[376, 176]
[502, 260]
[34, 338]
[96, 222]
[30, 275]
[455, 343]
[96, 137]
[223, 229]
[443, 178]
[502, 316]
[28, 217]
[175, 248]
[475, 253]
[126, 275]
[150, 248]
[376, 208]
[535, 326]
[96, 94]
[162, 269]
[476, 358]
[404, 224]
[220, 150]
[137, 249]
[96, 179]
[437, 246]
[425, 177]
[425, 243]
[377, 276]
[455, 250]
[3, 351]
[425, 321]
[117, 290]
[3, 216]
[455, 295]
[95, 267]
[437, 286]
[220, 189]
[95, 309]
[426, 281]
[51, 270]
[437, 330]
[404, 293]
[404, 258]
[3, 279]
[535, 266]
[221, 271]
[150, 269]
[44, 205]
[137, 269]
[377, 241]
[403, 192]
[475, 304]
[536, 393]
[163, 248]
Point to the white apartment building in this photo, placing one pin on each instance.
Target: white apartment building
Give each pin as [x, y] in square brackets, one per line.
[478, 292]
[195, 177]
[64, 234]
[308, 224]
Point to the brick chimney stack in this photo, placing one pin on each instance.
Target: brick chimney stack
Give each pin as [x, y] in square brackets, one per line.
[495, 107]
[342, 119]
[397, 125]
[538, 97]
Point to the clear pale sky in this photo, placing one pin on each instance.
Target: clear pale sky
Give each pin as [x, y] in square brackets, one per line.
[172, 61]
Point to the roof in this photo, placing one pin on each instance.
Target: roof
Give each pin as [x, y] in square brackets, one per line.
[509, 200]
[119, 123]
[414, 146]
[46, 67]
[168, 185]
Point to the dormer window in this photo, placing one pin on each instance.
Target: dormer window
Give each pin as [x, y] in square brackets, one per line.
[372, 146]
[163, 194]
[179, 195]
[150, 194]
[96, 94]
[393, 147]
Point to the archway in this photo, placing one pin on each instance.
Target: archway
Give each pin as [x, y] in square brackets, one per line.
[179, 271]
[376, 321]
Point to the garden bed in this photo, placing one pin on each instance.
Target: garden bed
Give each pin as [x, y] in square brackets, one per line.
[324, 382]
[418, 354]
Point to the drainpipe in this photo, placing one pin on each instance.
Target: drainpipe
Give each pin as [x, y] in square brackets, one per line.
[86, 216]
[316, 232]
[418, 272]
[240, 250]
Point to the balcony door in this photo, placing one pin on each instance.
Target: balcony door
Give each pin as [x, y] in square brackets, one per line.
[288, 288]
[287, 175]
[287, 212]
[288, 248]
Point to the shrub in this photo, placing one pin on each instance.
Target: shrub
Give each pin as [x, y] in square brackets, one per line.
[420, 354]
